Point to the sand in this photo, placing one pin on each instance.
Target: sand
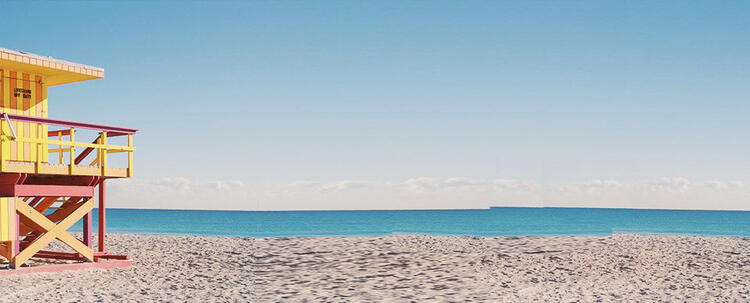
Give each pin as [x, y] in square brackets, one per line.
[404, 269]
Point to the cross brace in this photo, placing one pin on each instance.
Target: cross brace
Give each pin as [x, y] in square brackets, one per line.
[52, 231]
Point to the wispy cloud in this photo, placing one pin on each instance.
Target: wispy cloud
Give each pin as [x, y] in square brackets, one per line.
[227, 185]
[591, 186]
[668, 185]
[180, 185]
[343, 185]
[333, 186]
[430, 192]
[178, 193]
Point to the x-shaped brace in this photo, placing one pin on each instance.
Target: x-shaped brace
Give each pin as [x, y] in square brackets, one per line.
[53, 231]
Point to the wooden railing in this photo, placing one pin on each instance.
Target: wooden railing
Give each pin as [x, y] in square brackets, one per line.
[42, 141]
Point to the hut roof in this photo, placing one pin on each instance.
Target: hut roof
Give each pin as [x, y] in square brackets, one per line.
[55, 71]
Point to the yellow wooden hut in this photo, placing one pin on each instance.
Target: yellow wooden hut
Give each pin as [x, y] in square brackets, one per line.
[49, 169]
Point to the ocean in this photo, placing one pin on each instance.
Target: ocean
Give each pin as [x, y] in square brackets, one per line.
[495, 221]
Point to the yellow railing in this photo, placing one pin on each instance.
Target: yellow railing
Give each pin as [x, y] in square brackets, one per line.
[42, 143]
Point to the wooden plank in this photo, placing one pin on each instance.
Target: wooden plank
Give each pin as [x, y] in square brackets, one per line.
[39, 149]
[103, 153]
[12, 220]
[58, 231]
[79, 144]
[88, 171]
[76, 244]
[13, 108]
[60, 150]
[88, 230]
[17, 167]
[52, 169]
[59, 133]
[45, 204]
[4, 223]
[114, 130]
[68, 266]
[5, 128]
[102, 213]
[68, 239]
[3, 94]
[117, 172]
[37, 112]
[6, 250]
[28, 226]
[33, 215]
[130, 156]
[25, 108]
[63, 212]
[44, 114]
[28, 107]
[72, 134]
[27, 190]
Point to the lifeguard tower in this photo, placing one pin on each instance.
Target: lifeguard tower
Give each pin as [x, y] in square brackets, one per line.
[50, 169]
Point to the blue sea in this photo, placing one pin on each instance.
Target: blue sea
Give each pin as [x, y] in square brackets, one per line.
[496, 221]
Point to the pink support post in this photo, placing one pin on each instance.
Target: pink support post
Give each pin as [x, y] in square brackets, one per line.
[17, 243]
[102, 214]
[87, 222]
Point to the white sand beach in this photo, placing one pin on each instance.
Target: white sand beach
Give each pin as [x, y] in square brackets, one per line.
[404, 269]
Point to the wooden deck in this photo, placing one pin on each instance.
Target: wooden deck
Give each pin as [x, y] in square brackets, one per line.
[31, 152]
[57, 169]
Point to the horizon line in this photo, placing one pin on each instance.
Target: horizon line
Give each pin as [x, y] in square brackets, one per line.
[424, 209]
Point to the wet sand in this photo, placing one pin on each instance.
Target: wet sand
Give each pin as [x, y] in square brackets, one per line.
[404, 269]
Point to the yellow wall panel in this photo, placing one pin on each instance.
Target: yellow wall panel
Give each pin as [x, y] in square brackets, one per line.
[24, 94]
[20, 130]
[12, 218]
[4, 220]
[5, 98]
[29, 106]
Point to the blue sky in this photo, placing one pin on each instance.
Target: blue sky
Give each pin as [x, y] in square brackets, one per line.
[434, 104]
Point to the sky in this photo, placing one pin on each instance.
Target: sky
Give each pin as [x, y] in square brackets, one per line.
[287, 105]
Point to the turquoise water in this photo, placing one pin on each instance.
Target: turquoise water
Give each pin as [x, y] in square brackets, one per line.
[496, 221]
